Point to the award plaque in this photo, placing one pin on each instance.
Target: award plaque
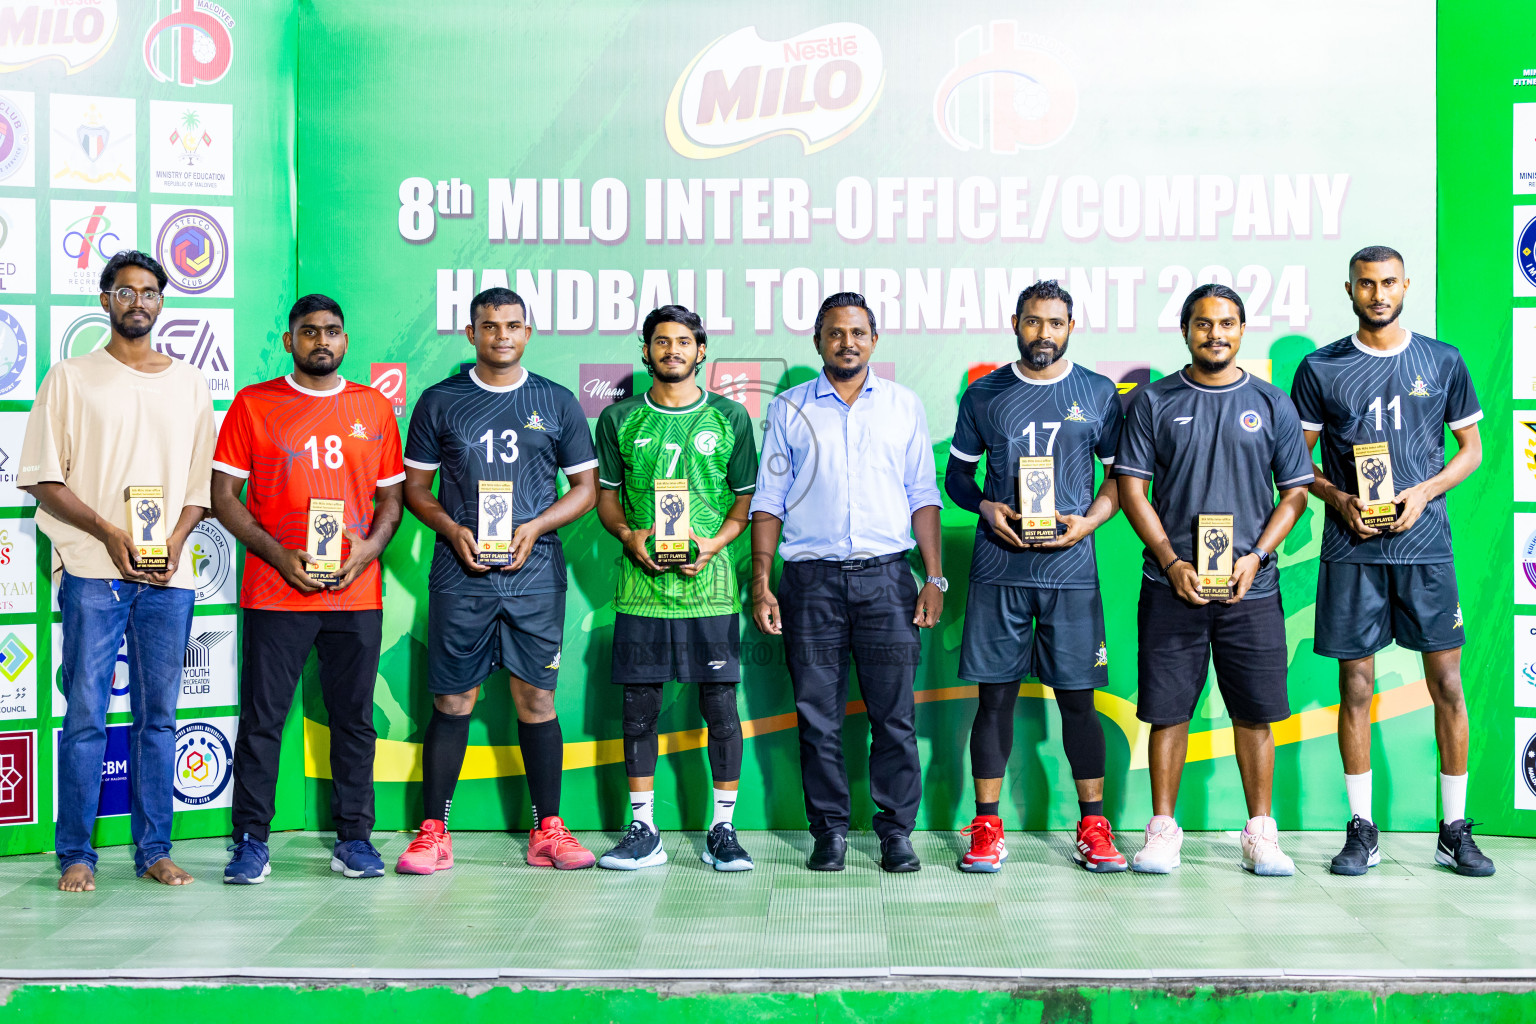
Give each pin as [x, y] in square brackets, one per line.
[493, 529]
[1213, 556]
[326, 517]
[1373, 476]
[1037, 499]
[146, 525]
[672, 528]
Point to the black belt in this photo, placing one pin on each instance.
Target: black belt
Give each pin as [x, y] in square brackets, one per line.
[859, 564]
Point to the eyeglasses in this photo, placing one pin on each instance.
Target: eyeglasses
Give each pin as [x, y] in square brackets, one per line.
[148, 297]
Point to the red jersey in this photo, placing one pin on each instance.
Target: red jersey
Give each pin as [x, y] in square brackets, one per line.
[291, 444]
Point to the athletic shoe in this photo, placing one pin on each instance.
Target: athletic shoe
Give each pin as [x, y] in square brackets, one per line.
[640, 848]
[1458, 852]
[987, 851]
[249, 865]
[431, 850]
[723, 850]
[1160, 854]
[1360, 852]
[551, 845]
[1095, 849]
[1261, 848]
[357, 858]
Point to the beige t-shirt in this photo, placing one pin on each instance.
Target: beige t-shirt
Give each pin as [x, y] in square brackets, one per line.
[99, 426]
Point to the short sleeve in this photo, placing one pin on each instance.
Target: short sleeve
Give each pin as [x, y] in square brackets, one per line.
[45, 446]
[232, 453]
[1461, 406]
[574, 448]
[421, 444]
[391, 466]
[741, 471]
[1111, 422]
[610, 461]
[967, 444]
[1136, 453]
[1307, 396]
[1291, 462]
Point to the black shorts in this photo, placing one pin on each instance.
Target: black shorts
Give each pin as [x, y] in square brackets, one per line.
[1056, 636]
[469, 635]
[648, 650]
[1178, 640]
[1363, 608]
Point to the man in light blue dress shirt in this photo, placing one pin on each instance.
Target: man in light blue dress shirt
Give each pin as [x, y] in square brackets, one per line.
[845, 483]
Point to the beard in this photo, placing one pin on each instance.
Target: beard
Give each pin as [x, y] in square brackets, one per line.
[1366, 317]
[846, 372]
[317, 364]
[1041, 354]
[669, 375]
[132, 332]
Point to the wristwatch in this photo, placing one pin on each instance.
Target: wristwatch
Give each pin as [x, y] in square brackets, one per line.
[1265, 557]
[940, 582]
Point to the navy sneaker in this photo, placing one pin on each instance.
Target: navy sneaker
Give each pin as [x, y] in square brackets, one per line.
[356, 858]
[250, 863]
[723, 850]
[640, 848]
[1459, 852]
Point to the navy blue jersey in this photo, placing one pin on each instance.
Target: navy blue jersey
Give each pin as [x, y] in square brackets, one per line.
[1405, 396]
[1214, 451]
[1071, 418]
[525, 432]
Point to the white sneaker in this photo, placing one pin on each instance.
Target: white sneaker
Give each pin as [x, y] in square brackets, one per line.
[1261, 848]
[1160, 855]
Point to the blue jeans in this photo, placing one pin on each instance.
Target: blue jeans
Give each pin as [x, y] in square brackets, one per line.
[97, 614]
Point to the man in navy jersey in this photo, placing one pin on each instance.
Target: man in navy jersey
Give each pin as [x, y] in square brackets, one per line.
[496, 422]
[1213, 441]
[1034, 609]
[1392, 582]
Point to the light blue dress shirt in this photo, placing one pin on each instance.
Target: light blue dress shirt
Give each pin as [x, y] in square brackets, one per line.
[845, 479]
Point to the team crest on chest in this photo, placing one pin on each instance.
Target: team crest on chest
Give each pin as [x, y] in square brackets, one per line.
[1076, 414]
[359, 431]
[1251, 421]
[535, 422]
[1420, 389]
[706, 441]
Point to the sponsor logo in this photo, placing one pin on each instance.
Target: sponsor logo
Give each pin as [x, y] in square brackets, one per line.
[1525, 250]
[706, 441]
[13, 353]
[1101, 656]
[93, 142]
[641, 442]
[194, 250]
[116, 797]
[740, 382]
[87, 235]
[212, 556]
[717, 665]
[18, 553]
[1008, 91]
[1528, 766]
[190, 147]
[741, 89]
[535, 422]
[15, 139]
[18, 678]
[1528, 560]
[197, 662]
[89, 330]
[205, 339]
[600, 385]
[18, 778]
[73, 33]
[389, 380]
[191, 45]
[1075, 414]
[15, 656]
[1183, 420]
[18, 246]
[1251, 421]
[203, 755]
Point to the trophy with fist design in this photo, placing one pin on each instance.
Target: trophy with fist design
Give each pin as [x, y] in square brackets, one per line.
[146, 525]
[1037, 498]
[673, 530]
[327, 520]
[1213, 556]
[493, 528]
[1373, 482]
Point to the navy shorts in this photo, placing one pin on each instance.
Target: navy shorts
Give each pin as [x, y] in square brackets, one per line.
[1178, 641]
[648, 650]
[470, 635]
[1363, 608]
[1057, 636]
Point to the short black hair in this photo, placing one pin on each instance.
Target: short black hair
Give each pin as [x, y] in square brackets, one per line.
[1048, 289]
[131, 258]
[1211, 291]
[673, 315]
[1376, 254]
[837, 300]
[493, 297]
[314, 303]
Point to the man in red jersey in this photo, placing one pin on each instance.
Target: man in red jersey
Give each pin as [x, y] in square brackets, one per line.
[308, 435]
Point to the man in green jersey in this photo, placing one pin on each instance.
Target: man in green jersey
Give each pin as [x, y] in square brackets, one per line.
[676, 621]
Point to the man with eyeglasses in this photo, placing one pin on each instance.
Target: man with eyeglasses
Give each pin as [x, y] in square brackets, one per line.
[122, 416]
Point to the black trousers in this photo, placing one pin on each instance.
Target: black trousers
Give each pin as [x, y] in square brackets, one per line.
[274, 649]
[830, 615]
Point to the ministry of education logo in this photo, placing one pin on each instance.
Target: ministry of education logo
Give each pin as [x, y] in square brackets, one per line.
[15, 139]
[203, 755]
[194, 250]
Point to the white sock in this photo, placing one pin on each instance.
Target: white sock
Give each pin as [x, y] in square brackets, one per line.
[1358, 787]
[642, 807]
[1453, 797]
[725, 806]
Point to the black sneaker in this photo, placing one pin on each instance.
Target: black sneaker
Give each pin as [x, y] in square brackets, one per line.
[640, 848]
[723, 850]
[1458, 852]
[1360, 850]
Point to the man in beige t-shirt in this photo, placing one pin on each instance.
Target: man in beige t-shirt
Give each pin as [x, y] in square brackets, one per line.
[123, 416]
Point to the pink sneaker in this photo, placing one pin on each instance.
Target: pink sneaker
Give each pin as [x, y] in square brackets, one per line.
[431, 850]
[551, 845]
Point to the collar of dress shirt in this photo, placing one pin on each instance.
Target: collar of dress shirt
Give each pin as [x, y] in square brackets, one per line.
[824, 384]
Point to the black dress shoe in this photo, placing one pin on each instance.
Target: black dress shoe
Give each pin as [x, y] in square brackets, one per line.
[896, 854]
[829, 853]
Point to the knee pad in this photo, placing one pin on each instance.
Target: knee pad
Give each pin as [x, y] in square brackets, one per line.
[642, 707]
[717, 702]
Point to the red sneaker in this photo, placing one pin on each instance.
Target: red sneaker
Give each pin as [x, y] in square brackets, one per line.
[551, 845]
[987, 851]
[431, 850]
[1095, 849]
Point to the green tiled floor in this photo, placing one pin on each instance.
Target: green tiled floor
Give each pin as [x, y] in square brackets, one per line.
[494, 916]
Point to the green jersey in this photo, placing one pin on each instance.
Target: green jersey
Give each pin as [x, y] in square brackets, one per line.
[708, 443]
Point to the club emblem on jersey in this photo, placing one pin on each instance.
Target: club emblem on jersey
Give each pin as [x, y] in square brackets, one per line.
[1420, 390]
[1101, 656]
[1251, 421]
[1457, 623]
[535, 422]
[1076, 414]
[706, 441]
[358, 430]
[556, 663]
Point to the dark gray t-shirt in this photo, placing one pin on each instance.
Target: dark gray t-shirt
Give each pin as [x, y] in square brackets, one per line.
[1214, 451]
